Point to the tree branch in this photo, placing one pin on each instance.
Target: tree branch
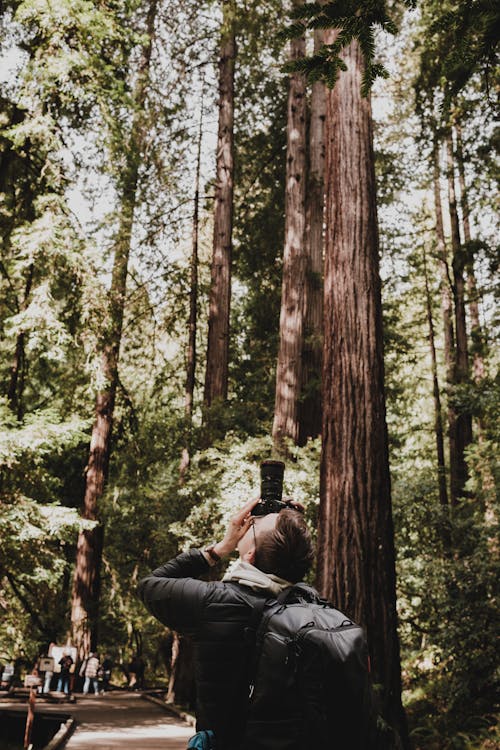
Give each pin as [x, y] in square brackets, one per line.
[26, 604]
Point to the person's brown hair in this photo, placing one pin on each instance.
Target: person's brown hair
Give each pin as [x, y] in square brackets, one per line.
[287, 550]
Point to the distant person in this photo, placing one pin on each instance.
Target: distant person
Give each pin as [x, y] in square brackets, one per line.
[106, 669]
[7, 676]
[66, 662]
[136, 670]
[90, 670]
[45, 668]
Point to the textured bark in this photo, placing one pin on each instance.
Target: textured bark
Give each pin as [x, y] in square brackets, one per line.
[438, 412]
[312, 357]
[289, 367]
[216, 377]
[463, 421]
[356, 565]
[86, 581]
[477, 337]
[193, 306]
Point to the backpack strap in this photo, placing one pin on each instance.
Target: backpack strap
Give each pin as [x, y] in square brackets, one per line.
[301, 593]
[254, 633]
[263, 609]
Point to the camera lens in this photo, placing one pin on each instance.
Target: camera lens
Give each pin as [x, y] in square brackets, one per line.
[271, 480]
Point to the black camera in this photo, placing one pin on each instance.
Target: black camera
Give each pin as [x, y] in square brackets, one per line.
[271, 489]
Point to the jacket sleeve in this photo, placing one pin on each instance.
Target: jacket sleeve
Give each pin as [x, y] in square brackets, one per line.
[173, 595]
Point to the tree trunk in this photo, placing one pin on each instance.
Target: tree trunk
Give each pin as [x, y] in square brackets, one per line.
[463, 425]
[356, 560]
[216, 376]
[446, 284]
[438, 414]
[447, 309]
[86, 582]
[289, 368]
[193, 306]
[477, 338]
[16, 376]
[181, 685]
[310, 404]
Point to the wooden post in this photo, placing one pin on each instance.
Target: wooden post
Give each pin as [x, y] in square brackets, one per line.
[32, 681]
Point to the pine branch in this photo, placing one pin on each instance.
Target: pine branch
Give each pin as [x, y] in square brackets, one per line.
[355, 20]
[310, 10]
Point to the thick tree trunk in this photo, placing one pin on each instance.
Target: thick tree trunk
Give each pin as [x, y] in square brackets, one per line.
[193, 307]
[86, 582]
[463, 420]
[356, 560]
[477, 338]
[438, 412]
[289, 368]
[312, 356]
[216, 377]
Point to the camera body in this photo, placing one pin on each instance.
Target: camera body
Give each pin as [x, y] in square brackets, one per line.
[271, 489]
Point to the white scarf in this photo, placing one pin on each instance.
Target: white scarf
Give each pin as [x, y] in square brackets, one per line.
[248, 575]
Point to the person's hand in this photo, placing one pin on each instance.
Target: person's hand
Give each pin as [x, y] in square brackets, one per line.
[295, 504]
[237, 528]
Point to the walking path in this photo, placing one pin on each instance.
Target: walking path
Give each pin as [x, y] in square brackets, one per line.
[121, 720]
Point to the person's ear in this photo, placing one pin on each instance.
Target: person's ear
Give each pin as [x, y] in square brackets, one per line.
[249, 556]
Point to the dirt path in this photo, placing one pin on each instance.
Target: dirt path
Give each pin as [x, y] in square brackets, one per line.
[120, 720]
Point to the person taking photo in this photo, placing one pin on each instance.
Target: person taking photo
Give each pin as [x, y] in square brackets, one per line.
[275, 551]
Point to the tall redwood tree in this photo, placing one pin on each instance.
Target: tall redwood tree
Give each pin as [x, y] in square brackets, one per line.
[312, 346]
[216, 375]
[356, 560]
[289, 367]
[86, 581]
[463, 420]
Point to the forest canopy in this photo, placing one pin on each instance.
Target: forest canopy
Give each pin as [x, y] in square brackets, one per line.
[237, 231]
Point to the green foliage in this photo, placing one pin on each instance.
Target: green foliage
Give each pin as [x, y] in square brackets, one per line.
[68, 118]
[449, 613]
[78, 55]
[354, 20]
[458, 45]
[35, 529]
[467, 35]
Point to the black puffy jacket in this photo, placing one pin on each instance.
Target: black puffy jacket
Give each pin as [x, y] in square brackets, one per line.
[216, 615]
